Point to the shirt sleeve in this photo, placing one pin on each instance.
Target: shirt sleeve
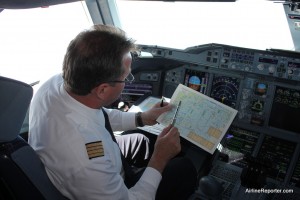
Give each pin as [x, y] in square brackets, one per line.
[147, 185]
[121, 121]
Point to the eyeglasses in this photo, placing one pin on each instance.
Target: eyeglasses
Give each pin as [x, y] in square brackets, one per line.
[129, 79]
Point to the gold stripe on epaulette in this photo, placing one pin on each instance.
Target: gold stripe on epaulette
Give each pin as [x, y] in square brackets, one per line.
[94, 149]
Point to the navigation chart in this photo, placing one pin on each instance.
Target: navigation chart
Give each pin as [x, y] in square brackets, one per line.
[200, 119]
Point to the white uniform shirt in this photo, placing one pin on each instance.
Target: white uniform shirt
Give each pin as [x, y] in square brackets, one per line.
[79, 154]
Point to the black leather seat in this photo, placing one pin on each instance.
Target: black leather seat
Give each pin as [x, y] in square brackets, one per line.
[22, 174]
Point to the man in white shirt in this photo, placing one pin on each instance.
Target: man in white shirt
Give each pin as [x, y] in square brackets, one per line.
[69, 126]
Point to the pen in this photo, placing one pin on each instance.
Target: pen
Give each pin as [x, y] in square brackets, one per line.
[162, 101]
[176, 112]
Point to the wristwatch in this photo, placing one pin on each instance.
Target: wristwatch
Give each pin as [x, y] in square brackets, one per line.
[138, 119]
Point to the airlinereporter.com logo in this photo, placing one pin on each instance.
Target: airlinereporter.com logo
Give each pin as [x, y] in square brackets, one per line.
[269, 191]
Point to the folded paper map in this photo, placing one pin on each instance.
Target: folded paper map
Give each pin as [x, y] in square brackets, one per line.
[200, 119]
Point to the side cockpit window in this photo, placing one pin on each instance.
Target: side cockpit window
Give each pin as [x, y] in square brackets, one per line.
[33, 41]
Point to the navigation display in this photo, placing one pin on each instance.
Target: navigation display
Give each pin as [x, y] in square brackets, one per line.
[285, 113]
[225, 90]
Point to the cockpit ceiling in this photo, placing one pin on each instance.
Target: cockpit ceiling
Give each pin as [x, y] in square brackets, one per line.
[23, 4]
[189, 0]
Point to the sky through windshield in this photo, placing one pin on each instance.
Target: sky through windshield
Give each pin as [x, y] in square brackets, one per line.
[257, 24]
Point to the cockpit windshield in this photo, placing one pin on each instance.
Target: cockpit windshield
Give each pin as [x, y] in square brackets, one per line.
[33, 41]
[258, 24]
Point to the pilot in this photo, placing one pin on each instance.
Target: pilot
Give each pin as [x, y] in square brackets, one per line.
[71, 129]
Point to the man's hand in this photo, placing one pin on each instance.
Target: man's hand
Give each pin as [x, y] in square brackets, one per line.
[167, 146]
[150, 116]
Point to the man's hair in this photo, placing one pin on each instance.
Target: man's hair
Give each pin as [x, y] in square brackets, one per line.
[95, 56]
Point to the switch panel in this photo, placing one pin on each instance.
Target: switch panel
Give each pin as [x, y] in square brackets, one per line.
[149, 76]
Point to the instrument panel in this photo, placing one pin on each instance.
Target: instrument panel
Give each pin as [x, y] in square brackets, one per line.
[264, 86]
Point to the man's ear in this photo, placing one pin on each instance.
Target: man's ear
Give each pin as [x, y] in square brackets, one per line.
[101, 90]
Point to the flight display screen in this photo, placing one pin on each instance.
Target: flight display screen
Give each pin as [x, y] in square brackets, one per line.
[279, 153]
[239, 143]
[285, 113]
[132, 92]
[293, 65]
[268, 60]
[225, 90]
[196, 80]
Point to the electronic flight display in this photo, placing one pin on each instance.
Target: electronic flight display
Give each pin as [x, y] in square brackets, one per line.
[196, 80]
[279, 153]
[225, 90]
[252, 100]
[239, 143]
[285, 113]
[132, 92]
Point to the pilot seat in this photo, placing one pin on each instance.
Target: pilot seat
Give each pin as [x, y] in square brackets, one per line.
[22, 174]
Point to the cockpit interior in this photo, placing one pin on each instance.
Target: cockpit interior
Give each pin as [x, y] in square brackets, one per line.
[259, 156]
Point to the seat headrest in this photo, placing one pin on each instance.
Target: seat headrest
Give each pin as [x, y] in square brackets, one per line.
[14, 103]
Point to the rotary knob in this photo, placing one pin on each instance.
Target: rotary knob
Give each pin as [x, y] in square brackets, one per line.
[272, 69]
[260, 67]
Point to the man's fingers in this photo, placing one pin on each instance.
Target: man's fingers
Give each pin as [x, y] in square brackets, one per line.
[165, 130]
